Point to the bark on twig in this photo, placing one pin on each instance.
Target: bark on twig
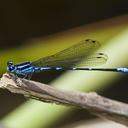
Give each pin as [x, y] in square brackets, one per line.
[98, 105]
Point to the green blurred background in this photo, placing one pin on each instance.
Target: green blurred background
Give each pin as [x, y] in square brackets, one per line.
[33, 29]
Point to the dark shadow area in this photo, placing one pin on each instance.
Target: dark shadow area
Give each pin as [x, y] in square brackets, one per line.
[9, 102]
[21, 20]
[118, 90]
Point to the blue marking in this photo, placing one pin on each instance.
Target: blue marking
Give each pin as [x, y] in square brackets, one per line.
[21, 65]
[122, 69]
[45, 68]
[90, 68]
[58, 68]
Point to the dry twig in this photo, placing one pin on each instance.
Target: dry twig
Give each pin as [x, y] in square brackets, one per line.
[98, 105]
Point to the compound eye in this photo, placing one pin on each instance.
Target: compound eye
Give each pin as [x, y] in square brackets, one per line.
[9, 63]
[10, 66]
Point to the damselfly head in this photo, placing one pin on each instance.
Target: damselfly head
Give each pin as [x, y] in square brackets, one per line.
[10, 66]
[9, 63]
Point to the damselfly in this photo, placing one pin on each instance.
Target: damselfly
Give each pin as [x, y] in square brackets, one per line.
[66, 60]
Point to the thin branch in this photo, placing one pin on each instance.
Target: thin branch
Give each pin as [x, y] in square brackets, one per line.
[98, 105]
